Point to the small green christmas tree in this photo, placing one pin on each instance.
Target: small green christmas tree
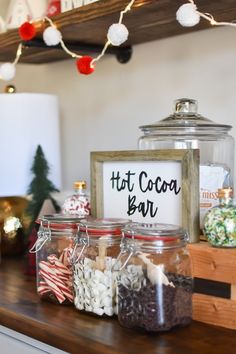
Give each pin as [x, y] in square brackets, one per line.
[40, 187]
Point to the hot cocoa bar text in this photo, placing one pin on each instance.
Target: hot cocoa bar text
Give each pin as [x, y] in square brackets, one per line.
[132, 181]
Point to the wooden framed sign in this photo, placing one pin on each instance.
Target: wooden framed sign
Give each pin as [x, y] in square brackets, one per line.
[160, 186]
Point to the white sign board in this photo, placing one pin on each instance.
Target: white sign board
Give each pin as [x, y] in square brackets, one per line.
[146, 192]
[152, 186]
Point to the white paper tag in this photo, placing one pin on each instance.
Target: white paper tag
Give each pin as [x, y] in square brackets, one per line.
[212, 177]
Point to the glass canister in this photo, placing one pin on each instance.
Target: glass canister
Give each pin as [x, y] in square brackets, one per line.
[94, 271]
[220, 221]
[154, 283]
[186, 129]
[53, 248]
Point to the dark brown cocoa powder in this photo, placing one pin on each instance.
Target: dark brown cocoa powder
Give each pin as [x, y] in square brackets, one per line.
[156, 307]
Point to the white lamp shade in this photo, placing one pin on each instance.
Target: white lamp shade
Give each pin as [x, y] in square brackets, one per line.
[27, 120]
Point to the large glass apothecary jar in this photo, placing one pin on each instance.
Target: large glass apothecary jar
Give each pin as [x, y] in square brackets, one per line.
[154, 282]
[95, 269]
[53, 248]
[187, 129]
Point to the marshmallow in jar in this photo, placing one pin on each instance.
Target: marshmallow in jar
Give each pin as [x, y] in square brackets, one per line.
[96, 265]
[53, 248]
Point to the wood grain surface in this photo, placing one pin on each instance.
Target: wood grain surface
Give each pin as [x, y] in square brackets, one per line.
[215, 310]
[69, 330]
[213, 263]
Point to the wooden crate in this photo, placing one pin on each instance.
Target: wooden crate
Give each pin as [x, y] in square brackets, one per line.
[214, 271]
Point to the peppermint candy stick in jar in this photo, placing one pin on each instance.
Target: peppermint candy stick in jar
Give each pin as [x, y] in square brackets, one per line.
[53, 248]
[78, 204]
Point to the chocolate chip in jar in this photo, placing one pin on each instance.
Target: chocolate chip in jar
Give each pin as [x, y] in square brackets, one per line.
[154, 283]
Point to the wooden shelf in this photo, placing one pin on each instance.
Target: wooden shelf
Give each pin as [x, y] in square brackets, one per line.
[149, 20]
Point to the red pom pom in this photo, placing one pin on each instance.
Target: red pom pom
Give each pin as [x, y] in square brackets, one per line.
[84, 65]
[27, 31]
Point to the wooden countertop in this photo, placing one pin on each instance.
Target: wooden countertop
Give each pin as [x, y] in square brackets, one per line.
[69, 330]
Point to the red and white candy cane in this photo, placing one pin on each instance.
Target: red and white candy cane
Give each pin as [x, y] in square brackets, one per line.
[56, 278]
[59, 288]
[59, 265]
[51, 268]
[59, 283]
[56, 291]
[65, 257]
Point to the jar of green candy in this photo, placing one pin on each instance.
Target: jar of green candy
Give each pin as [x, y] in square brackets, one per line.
[220, 221]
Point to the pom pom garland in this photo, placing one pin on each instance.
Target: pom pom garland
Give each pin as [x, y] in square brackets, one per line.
[52, 36]
[187, 15]
[117, 34]
[27, 31]
[84, 65]
[7, 71]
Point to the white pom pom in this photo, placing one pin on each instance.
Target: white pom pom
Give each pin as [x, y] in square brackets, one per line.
[187, 15]
[117, 34]
[7, 71]
[52, 36]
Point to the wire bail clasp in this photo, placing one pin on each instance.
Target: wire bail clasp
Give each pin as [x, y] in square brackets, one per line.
[126, 245]
[82, 241]
[43, 235]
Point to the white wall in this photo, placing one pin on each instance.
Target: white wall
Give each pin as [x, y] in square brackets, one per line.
[103, 111]
[3, 7]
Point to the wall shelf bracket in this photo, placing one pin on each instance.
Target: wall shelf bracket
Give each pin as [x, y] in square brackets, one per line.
[122, 54]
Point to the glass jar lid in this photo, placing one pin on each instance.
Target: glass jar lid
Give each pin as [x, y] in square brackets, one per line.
[59, 222]
[156, 232]
[225, 192]
[80, 185]
[98, 226]
[186, 118]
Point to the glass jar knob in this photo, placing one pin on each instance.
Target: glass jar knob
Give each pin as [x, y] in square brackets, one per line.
[185, 106]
